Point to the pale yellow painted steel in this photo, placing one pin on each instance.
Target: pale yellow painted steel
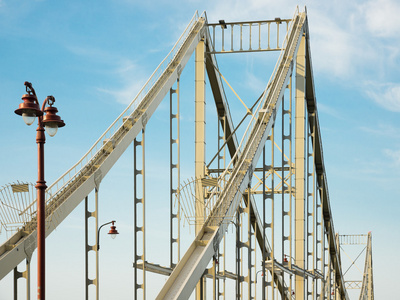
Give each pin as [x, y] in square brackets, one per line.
[25, 274]
[200, 144]
[200, 125]
[300, 139]
[190, 269]
[71, 188]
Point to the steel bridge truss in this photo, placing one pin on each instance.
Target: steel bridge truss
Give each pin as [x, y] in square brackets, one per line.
[269, 187]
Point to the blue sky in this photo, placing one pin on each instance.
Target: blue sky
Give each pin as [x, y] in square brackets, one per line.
[94, 56]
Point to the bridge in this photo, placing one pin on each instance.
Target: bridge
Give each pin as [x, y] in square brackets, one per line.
[259, 209]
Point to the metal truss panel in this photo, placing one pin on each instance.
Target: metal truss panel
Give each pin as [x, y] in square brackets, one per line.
[202, 249]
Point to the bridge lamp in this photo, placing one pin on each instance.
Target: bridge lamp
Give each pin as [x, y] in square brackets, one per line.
[113, 232]
[47, 116]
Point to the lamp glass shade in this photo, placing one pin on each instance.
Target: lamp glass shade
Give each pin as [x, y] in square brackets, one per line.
[51, 128]
[28, 117]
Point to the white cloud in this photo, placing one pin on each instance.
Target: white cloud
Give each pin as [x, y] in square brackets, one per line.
[131, 76]
[386, 95]
[329, 110]
[332, 46]
[381, 129]
[393, 155]
[250, 10]
[382, 17]
[126, 94]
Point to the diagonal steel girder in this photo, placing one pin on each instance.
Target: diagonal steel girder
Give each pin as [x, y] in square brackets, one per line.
[222, 106]
[191, 267]
[21, 245]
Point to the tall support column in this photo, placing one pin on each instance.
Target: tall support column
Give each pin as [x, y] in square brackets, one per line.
[319, 232]
[271, 196]
[88, 248]
[287, 182]
[96, 197]
[200, 142]
[174, 178]
[239, 255]
[249, 246]
[322, 247]
[221, 250]
[200, 134]
[263, 270]
[269, 217]
[335, 286]
[139, 215]
[328, 287]
[369, 273]
[327, 260]
[300, 168]
[25, 274]
[310, 262]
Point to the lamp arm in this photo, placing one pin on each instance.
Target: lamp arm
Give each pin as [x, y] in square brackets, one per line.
[98, 233]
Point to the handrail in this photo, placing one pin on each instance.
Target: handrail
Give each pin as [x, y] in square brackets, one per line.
[74, 171]
[214, 197]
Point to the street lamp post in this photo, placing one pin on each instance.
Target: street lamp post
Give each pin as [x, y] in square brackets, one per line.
[113, 233]
[47, 117]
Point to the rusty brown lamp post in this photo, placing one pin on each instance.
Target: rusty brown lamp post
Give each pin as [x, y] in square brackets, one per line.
[47, 118]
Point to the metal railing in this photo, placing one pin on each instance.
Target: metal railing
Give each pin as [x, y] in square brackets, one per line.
[251, 130]
[251, 36]
[86, 160]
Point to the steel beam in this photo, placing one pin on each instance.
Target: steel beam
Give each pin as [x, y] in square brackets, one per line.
[175, 216]
[139, 215]
[206, 242]
[72, 189]
[300, 139]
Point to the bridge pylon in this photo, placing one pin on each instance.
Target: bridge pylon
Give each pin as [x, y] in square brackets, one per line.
[258, 205]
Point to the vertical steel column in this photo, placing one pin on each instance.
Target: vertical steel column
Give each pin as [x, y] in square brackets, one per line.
[272, 197]
[263, 270]
[322, 246]
[91, 214]
[200, 124]
[300, 168]
[139, 200]
[200, 142]
[241, 245]
[287, 172]
[335, 284]
[214, 275]
[174, 184]
[319, 231]
[269, 223]
[96, 196]
[25, 274]
[370, 286]
[310, 202]
[328, 287]
[249, 246]
[221, 163]
[238, 270]
[327, 260]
